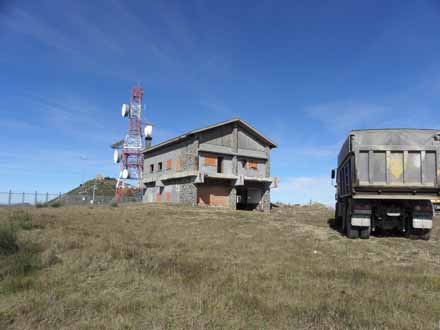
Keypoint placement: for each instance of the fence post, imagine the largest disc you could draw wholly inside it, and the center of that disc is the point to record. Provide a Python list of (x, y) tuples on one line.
[(36, 197), (9, 197), (94, 192), (47, 197), (22, 198)]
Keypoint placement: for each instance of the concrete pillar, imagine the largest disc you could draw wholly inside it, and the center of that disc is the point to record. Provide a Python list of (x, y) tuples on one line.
[(265, 200), (234, 147), (233, 199), (267, 149)]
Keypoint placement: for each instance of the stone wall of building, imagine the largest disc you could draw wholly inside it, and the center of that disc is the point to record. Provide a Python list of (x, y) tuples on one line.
[(233, 199), (188, 192), (265, 200)]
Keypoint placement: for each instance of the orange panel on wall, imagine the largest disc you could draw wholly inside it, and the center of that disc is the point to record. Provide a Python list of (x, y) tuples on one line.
[(178, 165), (210, 161), (213, 195)]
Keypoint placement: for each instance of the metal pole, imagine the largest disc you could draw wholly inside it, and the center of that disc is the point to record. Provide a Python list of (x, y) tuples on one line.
[(94, 192), (22, 198), (47, 197), (9, 197), (36, 197)]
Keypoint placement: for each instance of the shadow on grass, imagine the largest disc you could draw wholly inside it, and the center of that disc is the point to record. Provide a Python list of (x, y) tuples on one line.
[(332, 225)]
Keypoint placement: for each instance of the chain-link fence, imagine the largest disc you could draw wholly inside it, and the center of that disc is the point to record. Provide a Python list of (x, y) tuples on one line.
[(13, 198)]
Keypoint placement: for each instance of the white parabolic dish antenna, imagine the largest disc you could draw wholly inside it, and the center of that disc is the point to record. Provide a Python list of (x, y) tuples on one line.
[(148, 131), (116, 157), (125, 110), (125, 173)]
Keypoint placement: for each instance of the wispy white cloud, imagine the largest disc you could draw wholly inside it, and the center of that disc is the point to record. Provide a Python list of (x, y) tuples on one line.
[(157, 47), (346, 115), (215, 106), (72, 115), (302, 190)]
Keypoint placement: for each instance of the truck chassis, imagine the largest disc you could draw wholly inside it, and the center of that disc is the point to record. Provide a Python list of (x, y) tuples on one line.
[(360, 217)]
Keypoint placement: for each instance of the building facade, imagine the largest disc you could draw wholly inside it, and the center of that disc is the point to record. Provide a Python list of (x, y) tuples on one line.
[(223, 165)]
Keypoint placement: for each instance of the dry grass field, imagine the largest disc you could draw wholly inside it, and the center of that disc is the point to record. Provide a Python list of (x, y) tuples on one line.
[(169, 267)]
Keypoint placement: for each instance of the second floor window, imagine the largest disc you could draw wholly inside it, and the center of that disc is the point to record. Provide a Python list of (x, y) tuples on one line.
[(159, 167), (151, 168), (219, 164), (252, 165), (210, 161)]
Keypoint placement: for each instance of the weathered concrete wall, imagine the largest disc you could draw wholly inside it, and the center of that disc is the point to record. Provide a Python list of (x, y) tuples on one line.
[(188, 192), (242, 167), (227, 163), (247, 141), (267, 162), (221, 136), (231, 142), (233, 199), (185, 152), (173, 191)]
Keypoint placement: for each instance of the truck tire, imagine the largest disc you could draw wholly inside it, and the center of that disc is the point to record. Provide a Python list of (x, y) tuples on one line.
[(343, 220), (338, 218), (424, 234), (365, 232), (349, 230)]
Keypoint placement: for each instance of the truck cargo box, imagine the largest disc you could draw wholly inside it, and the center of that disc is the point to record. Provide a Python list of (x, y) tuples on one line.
[(390, 159)]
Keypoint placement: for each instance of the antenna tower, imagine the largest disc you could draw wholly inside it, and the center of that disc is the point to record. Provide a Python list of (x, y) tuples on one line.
[(129, 151)]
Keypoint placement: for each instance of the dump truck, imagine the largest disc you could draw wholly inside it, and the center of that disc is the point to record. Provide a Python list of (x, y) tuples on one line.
[(386, 180)]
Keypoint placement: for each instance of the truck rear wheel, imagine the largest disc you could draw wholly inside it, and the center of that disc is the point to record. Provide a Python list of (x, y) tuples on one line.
[(365, 232), (338, 218), (424, 234), (349, 230)]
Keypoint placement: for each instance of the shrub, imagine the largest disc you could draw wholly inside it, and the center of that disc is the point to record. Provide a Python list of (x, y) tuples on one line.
[(40, 205), (8, 239), (22, 220), (15, 284), (16, 270), (56, 204), (25, 261)]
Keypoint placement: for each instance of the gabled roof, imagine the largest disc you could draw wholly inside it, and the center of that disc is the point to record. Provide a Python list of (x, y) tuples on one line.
[(224, 123)]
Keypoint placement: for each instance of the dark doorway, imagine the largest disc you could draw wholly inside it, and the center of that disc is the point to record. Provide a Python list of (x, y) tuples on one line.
[(248, 198), (242, 199)]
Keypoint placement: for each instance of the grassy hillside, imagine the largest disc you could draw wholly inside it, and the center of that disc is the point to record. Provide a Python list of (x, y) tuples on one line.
[(163, 267), (104, 187)]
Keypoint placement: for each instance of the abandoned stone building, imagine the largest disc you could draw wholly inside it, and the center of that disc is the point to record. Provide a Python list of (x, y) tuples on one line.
[(224, 165)]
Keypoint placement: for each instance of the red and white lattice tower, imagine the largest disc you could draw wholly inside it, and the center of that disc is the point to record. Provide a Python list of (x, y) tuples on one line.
[(130, 151)]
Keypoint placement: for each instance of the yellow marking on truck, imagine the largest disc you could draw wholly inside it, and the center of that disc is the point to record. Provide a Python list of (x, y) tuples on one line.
[(396, 167)]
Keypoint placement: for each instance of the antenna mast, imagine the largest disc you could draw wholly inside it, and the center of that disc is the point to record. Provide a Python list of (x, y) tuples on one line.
[(129, 152)]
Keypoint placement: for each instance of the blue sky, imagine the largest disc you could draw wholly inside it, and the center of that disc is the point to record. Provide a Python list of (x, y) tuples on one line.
[(302, 72)]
